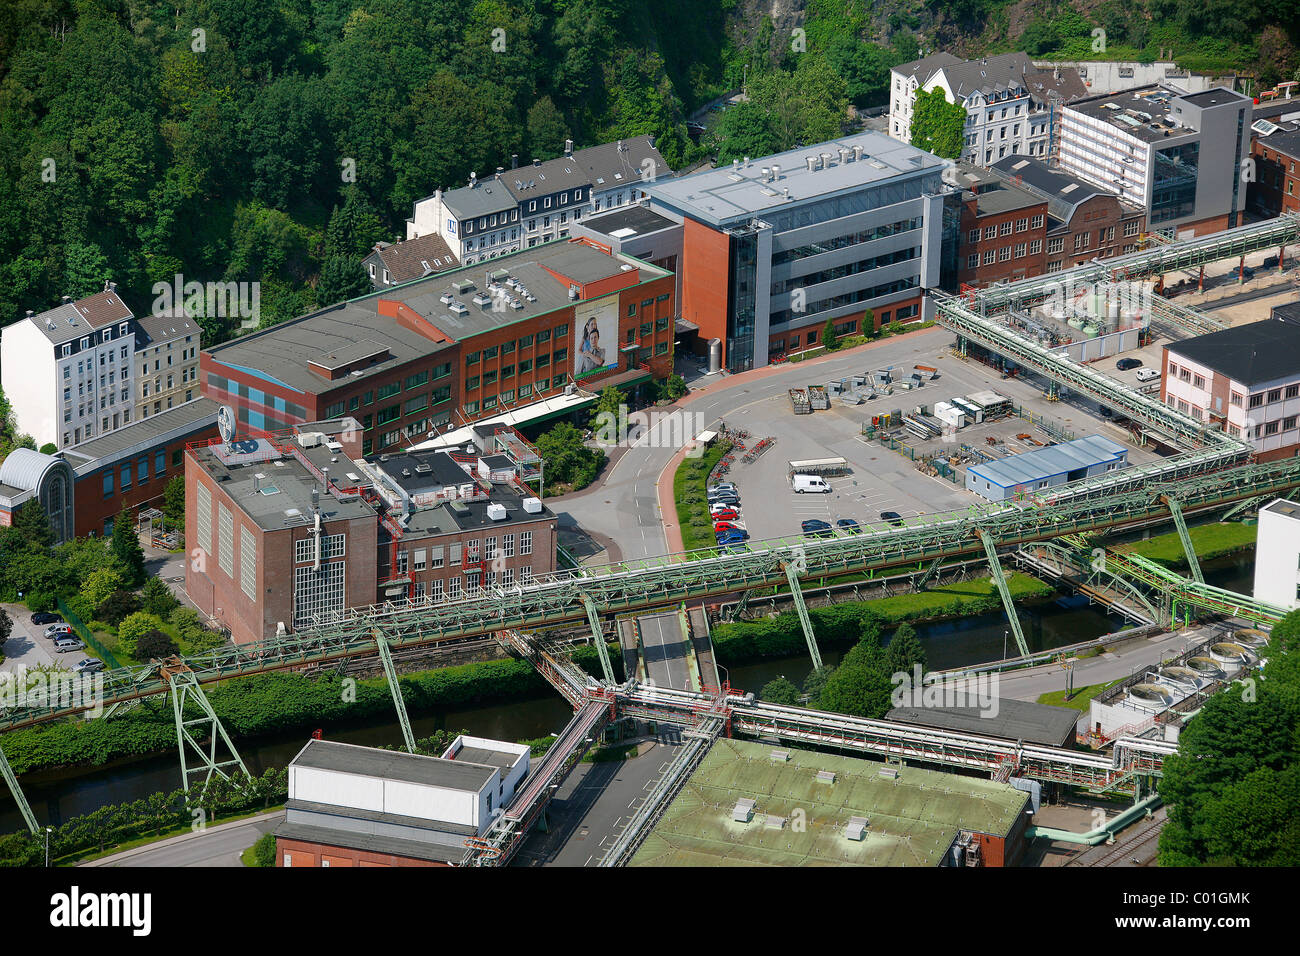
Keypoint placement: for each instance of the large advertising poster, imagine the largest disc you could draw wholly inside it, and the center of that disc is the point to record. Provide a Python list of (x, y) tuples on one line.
[(596, 341)]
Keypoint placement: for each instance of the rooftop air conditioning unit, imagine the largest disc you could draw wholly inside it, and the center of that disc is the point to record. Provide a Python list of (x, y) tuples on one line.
[(533, 506), (311, 439), (496, 512)]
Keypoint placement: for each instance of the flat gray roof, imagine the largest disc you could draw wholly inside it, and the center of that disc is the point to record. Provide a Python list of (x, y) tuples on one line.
[(730, 194), (176, 422), (1014, 719), (1043, 463), (394, 765), (628, 221), (333, 336)]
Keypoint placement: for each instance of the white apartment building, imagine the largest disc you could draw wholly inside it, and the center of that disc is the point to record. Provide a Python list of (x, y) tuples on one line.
[(523, 206), (67, 372), (1277, 554), (1012, 107), (1176, 155), (1245, 379)]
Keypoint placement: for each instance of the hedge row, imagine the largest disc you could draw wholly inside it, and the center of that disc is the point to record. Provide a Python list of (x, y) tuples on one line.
[(279, 703)]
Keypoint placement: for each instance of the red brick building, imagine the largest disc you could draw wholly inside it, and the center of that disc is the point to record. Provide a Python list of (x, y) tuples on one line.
[(1276, 188), (1003, 229), (286, 530), (461, 347)]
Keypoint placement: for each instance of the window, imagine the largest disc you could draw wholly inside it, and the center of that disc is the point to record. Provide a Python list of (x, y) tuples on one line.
[(1292, 391), (973, 236), (1006, 226), (490, 352), (1004, 254), (226, 540), (1198, 381), (1256, 400), (1055, 245), (1288, 423), (1274, 395), (1038, 222), (526, 542), (108, 485), (973, 261), (1022, 225), (1020, 250), (1236, 399), (472, 358), (247, 562), (990, 232)]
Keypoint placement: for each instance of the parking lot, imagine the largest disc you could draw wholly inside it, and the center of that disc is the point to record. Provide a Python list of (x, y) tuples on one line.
[(884, 480)]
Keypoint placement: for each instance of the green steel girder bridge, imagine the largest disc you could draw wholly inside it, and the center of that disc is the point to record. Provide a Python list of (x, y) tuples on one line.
[(1214, 471)]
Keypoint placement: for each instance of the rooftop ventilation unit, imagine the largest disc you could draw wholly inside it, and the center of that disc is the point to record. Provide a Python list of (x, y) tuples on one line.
[(463, 286), (825, 776), (779, 756), (459, 308), (311, 439), (423, 469), (856, 829), (811, 161), (776, 172), (533, 506), (743, 811), (773, 822), (573, 292), (496, 512)]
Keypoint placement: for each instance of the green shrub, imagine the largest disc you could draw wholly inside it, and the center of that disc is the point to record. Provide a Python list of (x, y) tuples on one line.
[(264, 850)]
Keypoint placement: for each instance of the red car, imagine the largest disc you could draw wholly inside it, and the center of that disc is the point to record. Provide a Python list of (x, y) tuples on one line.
[(726, 514), (727, 526)]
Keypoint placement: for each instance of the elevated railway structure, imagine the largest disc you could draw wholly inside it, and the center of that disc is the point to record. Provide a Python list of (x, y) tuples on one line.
[(1212, 470)]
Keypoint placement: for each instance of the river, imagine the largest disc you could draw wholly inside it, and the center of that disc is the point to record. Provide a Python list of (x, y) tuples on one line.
[(57, 795)]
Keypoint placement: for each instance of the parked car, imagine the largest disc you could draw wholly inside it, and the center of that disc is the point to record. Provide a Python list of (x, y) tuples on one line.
[(57, 630), (66, 644), (88, 665), (1105, 412), (893, 517), (724, 486), (1125, 364), (45, 617), (814, 483), (1270, 262), (725, 513), (727, 538), (727, 528), (849, 526), (1147, 374), (816, 528), (724, 499), (1248, 273)]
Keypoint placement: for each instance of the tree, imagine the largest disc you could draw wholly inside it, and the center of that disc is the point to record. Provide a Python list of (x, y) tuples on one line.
[(568, 461), (905, 651), (673, 387), (154, 644), (341, 279), (174, 501), (829, 341), (117, 607), (134, 627), (547, 130), (609, 414), (860, 685), (99, 584), (6, 625), (937, 125), (816, 681), (157, 598), (780, 691), (33, 524), (126, 548)]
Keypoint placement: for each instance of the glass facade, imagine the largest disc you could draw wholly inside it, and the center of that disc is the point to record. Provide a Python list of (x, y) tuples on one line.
[(742, 287), (1173, 191)]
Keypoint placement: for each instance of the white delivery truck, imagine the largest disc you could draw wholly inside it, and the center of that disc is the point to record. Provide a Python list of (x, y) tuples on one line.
[(814, 483)]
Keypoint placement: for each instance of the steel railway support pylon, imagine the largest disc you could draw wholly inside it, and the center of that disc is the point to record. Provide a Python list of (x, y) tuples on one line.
[(1180, 523), (184, 688), (598, 635), (797, 593), (24, 807), (1000, 580), (386, 656)]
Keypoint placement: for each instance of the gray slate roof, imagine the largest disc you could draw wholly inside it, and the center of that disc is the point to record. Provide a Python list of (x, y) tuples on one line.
[(613, 164)]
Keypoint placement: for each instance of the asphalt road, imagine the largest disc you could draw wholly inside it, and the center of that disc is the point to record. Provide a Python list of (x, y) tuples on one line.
[(219, 845), (664, 648)]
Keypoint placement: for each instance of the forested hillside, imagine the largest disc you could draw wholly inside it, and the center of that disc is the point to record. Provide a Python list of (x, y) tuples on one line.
[(276, 140)]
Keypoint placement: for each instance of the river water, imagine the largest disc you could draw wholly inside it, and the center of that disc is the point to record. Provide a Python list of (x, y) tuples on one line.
[(57, 795)]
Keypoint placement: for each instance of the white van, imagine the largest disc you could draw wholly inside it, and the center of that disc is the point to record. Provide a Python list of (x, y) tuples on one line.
[(1147, 374), (802, 483)]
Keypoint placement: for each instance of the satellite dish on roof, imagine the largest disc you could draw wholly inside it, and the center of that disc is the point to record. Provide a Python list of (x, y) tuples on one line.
[(226, 422)]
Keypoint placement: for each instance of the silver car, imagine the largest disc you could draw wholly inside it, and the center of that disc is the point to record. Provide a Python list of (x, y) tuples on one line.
[(65, 644)]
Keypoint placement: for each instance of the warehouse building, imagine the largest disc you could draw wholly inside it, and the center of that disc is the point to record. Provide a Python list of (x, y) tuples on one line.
[(419, 359), (360, 806), (750, 804), (291, 530), (773, 247), (1004, 478)]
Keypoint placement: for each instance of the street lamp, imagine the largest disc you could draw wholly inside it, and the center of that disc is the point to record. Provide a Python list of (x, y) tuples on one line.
[(48, 831), (1005, 632)]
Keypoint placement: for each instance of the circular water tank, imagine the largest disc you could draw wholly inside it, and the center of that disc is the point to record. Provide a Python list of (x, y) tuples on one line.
[(1250, 637), (1152, 693), (1205, 666), (1181, 676), (1228, 653)]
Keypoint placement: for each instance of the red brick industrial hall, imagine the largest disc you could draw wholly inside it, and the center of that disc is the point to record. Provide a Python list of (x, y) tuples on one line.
[(503, 339), (288, 531)]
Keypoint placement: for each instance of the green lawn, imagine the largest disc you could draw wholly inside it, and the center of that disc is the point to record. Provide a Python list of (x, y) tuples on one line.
[(689, 486), (1082, 695), (1209, 540)]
